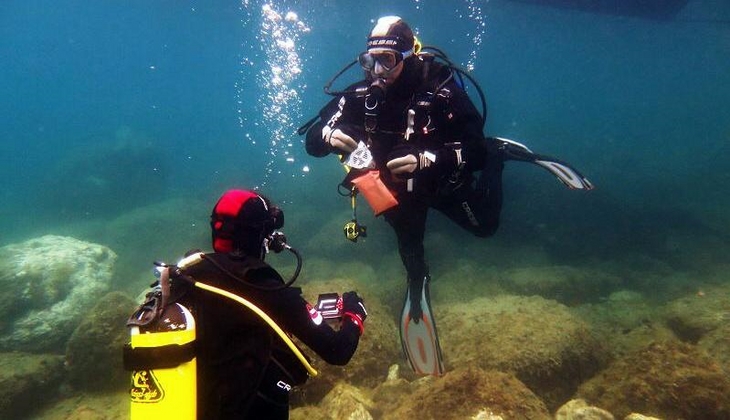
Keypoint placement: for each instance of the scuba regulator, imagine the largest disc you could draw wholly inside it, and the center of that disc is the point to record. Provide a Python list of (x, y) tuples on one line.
[(373, 100)]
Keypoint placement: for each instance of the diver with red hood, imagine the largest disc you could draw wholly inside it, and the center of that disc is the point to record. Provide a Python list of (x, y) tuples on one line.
[(244, 313)]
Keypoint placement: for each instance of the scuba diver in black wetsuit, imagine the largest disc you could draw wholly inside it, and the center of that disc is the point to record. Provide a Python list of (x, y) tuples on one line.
[(245, 367), (411, 123)]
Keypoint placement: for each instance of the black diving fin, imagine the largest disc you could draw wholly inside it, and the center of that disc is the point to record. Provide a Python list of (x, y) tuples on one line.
[(418, 330), (564, 172)]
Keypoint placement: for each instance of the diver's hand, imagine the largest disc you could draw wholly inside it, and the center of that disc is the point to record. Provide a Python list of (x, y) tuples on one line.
[(405, 160), (353, 309), (342, 139)]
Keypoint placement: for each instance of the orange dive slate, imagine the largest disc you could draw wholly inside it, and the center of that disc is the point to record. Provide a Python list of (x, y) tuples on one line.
[(378, 196)]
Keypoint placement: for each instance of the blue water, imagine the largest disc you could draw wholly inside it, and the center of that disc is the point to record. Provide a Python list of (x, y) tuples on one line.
[(107, 108), (638, 105)]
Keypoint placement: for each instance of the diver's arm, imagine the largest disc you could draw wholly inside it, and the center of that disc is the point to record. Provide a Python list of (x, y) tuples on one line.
[(339, 138), (334, 136), (314, 144), (334, 347), (340, 127)]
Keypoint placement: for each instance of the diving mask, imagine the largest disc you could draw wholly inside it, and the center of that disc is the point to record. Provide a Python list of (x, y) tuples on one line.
[(388, 59)]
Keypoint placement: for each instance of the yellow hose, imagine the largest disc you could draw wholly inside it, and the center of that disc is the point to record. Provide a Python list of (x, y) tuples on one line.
[(266, 318)]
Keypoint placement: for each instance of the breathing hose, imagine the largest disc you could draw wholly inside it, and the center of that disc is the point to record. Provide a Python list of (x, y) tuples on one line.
[(312, 372), (197, 257)]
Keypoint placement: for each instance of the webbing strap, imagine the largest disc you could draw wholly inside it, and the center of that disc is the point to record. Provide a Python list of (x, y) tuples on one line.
[(162, 357)]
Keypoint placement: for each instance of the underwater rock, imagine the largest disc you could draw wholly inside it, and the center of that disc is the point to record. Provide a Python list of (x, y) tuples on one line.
[(308, 412), (461, 279), (567, 285), (546, 347), (626, 322), (27, 379), (94, 351), (344, 401), (717, 344), (580, 410), (347, 402), (671, 380), (84, 412), (693, 316), (485, 415), (636, 416), (395, 389), (47, 285), (465, 393), (83, 406)]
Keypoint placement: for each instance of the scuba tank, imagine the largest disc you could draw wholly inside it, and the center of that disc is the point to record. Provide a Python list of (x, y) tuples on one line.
[(161, 351), (161, 356), (166, 385)]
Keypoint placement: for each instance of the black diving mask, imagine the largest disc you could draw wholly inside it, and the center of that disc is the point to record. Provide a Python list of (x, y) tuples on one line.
[(388, 59)]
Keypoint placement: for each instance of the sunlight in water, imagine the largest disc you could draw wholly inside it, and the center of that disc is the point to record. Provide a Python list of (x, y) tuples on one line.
[(477, 34), (274, 64), (280, 68)]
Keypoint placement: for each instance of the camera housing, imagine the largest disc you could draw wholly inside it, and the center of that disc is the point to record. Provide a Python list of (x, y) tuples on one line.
[(329, 305)]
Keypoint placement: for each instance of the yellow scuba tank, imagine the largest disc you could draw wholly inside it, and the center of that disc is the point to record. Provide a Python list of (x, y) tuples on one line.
[(164, 367), (161, 356)]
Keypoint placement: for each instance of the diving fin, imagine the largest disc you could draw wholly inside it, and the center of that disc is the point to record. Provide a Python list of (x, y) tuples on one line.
[(418, 330), (564, 172)]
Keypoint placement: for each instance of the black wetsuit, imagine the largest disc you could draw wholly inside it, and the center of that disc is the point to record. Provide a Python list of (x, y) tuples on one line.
[(439, 121), (245, 371)]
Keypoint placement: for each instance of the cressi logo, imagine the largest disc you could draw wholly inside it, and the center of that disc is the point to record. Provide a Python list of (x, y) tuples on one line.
[(382, 43), (283, 385)]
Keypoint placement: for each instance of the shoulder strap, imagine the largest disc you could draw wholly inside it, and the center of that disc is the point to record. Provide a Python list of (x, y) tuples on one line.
[(432, 73)]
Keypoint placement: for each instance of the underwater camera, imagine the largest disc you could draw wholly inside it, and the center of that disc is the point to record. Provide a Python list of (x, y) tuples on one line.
[(354, 230), (330, 305)]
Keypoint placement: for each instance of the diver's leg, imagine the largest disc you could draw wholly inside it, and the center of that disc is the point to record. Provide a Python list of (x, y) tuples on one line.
[(417, 326), (408, 220), (477, 208)]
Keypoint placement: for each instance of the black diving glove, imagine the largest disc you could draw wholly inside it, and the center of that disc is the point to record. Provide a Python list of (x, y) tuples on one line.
[(353, 309)]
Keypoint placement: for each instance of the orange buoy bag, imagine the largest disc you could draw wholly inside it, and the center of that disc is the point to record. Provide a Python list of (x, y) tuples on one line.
[(378, 196)]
